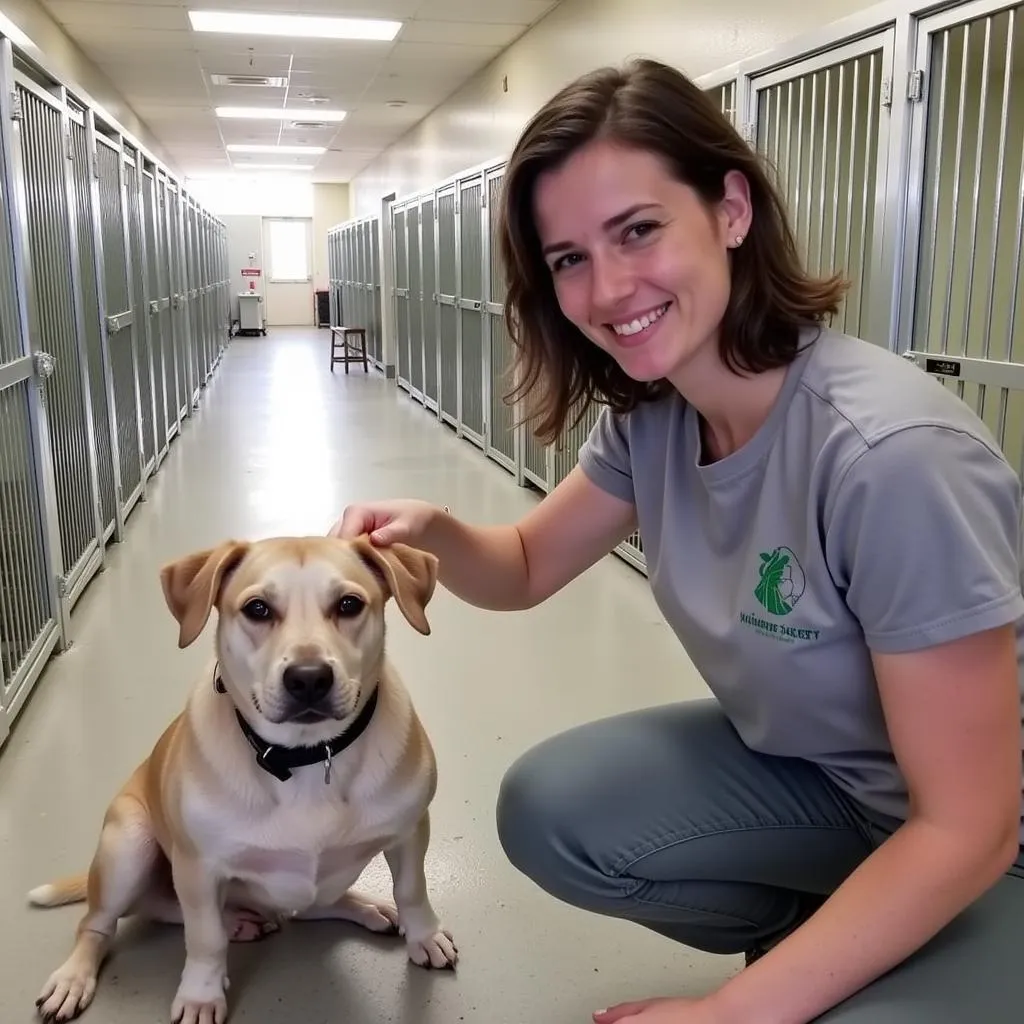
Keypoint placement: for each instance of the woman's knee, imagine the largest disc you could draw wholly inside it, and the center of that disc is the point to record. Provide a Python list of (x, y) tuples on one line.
[(529, 810), (545, 818)]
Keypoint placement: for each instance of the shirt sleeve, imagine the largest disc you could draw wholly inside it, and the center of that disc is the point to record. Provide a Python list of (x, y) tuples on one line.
[(604, 457), (924, 537)]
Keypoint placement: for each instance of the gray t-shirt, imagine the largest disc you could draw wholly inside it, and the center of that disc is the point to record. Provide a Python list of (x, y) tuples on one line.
[(872, 510)]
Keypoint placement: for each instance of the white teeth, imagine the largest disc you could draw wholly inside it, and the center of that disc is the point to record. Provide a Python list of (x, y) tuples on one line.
[(641, 323)]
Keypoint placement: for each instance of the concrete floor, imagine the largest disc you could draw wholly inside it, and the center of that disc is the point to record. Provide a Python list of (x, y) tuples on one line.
[(280, 445)]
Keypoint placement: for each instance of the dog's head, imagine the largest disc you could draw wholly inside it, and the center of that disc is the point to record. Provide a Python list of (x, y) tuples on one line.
[(300, 633)]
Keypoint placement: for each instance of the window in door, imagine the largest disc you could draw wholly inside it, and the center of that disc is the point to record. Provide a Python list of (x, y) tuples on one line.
[(289, 251)]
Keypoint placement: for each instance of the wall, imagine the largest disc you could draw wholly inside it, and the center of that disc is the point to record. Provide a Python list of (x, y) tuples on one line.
[(481, 121), (64, 60), (331, 205)]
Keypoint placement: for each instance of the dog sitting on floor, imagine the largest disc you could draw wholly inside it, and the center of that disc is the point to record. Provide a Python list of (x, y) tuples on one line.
[(296, 760)]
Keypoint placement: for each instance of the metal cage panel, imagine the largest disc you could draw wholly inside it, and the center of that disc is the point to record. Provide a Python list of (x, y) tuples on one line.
[(473, 407), (414, 299), (968, 302), (81, 166), (53, 327), (140, 313), (823, 126), (428, 286), (120, 327)]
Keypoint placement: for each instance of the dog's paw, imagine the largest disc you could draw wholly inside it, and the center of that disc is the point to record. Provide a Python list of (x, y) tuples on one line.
[(437, 951), (199, 1011), (67, 992), (200, 998), (248, 926), (378, 916)]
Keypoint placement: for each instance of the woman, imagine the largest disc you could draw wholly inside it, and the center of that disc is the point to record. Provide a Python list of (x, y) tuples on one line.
[(834, 539)]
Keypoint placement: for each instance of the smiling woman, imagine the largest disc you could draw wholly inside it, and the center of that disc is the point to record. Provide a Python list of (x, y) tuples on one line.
[(854, 789)]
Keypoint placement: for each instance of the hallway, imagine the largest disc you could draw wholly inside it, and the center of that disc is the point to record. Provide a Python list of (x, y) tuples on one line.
[(280, 445)]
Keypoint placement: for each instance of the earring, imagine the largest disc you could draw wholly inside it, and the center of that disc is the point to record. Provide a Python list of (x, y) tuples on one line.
[(739, 240)]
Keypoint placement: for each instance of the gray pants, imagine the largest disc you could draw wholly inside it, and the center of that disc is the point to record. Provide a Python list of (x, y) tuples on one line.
[(663, 817)]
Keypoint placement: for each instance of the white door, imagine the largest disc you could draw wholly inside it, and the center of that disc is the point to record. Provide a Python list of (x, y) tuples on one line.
[(287, 242)]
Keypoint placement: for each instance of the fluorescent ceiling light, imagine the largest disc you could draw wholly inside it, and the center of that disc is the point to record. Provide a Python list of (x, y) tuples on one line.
[(248, 23), (282, 114), (288, 150), (272, 167)]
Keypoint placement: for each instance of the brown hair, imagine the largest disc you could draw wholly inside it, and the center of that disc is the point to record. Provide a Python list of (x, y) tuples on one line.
[(653, 107)]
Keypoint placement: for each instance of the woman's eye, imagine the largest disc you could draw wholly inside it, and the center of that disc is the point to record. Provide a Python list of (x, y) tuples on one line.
[(350, 606), (564, 262), (257, 610), (641, 230)]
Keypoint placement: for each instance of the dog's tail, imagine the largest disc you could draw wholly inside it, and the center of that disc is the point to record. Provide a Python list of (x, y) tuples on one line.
[(56, 894)]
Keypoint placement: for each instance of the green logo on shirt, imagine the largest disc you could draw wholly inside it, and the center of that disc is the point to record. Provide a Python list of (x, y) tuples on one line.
[(782, 581)]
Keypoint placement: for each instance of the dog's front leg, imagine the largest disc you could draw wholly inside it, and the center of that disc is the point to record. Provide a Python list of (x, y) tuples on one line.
[(204, 981), (428, 943)]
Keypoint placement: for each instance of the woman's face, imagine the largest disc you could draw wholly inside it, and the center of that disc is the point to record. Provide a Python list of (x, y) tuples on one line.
[(638, 261)]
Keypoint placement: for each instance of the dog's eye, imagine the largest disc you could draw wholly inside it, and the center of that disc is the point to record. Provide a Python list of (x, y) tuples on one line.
[(257, 610), (350, 606)]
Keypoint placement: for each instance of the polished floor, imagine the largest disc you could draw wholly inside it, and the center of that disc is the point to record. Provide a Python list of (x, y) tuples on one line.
[(280, 445)]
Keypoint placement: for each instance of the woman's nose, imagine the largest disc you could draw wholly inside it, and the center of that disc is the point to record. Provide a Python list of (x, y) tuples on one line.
[(611, 281)]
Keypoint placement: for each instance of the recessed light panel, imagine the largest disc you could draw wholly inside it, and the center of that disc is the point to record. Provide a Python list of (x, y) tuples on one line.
[(280, 114), (295, 25), (245, 147)]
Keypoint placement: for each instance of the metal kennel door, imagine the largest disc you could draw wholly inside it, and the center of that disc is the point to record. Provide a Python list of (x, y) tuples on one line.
[(823, 124), (29, 623), (447, 287), (120, 325), (473, 407), (431, 361), (962, 307), (400, 245), (140, 310), (501, 433), (54, 319), (415, 300), (92, 321)]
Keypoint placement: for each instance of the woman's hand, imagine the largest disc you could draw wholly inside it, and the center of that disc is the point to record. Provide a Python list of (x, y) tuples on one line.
[(403, 520), (662, 1011)]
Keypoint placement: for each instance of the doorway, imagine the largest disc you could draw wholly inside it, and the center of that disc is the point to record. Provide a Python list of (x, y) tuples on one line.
[(287, 242)]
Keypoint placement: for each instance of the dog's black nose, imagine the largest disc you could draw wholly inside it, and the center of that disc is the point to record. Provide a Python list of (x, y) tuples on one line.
[(308, 683)]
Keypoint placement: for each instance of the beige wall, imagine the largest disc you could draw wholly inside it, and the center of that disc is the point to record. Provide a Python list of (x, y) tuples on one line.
[(482, 120), (66, 62), (331, 205)]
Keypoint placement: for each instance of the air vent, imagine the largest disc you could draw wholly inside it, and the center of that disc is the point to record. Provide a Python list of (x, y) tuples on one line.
[(310, 124), (251, 81)]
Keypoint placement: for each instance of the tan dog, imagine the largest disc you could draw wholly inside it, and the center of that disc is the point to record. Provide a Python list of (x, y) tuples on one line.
[(296, 761)]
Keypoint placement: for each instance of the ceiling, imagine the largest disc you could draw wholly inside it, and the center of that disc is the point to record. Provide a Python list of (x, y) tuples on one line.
[(166, 72)]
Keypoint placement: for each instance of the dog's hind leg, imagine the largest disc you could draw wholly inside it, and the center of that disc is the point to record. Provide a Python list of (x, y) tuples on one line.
[(121, 871), (375, 915), (241, 923)]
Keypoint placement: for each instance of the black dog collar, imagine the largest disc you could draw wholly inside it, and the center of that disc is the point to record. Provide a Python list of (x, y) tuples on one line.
[(279, 761)]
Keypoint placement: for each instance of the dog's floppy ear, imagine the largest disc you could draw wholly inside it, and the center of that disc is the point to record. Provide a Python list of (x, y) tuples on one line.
[(192, 585), (408, 573)]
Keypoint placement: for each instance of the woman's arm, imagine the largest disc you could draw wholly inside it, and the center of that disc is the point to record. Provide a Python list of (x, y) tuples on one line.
[(518, 566), (508, 567), (953, 712)]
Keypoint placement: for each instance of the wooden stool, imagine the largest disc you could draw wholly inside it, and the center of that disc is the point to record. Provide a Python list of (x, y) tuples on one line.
[(350, 352)]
